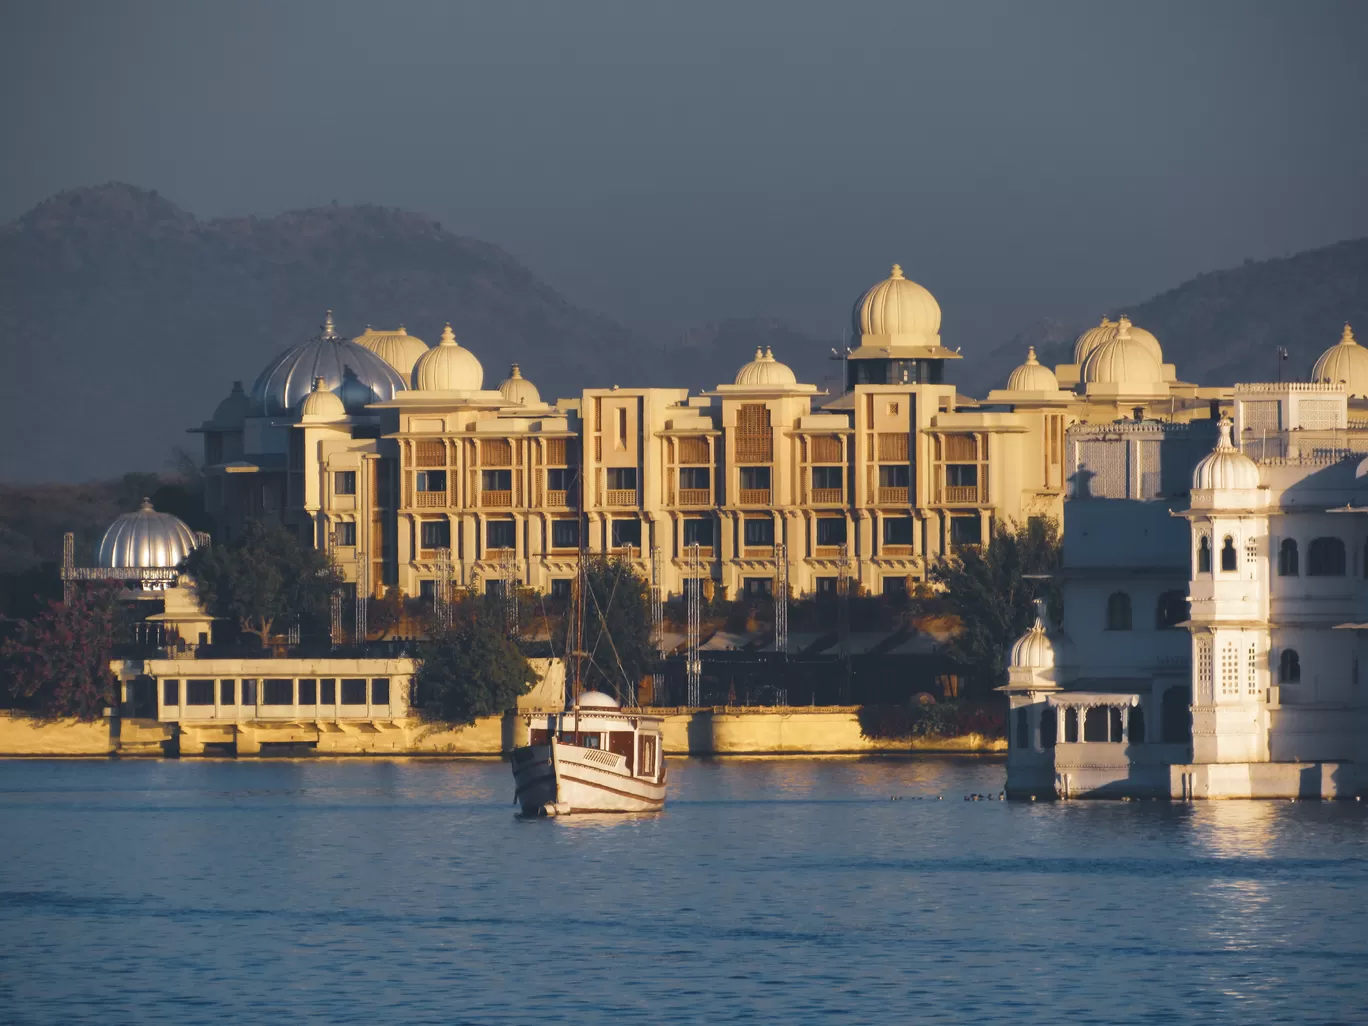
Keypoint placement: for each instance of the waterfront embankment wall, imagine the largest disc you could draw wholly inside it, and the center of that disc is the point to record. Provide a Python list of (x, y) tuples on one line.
[(709, 731)]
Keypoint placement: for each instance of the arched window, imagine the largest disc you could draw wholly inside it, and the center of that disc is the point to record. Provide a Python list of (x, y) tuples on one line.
[(1175, 718), (1325, 558), (1023, 728), (1135, 726), (1070, 726), (1228, 556), (1118, 611), (1289, 666), (1204, 555), (1172, 610), (1096, 721), (1287, 558), (1049, 726)]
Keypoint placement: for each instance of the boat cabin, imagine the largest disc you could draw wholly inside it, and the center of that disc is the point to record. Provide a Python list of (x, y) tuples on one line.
[(597, 722)]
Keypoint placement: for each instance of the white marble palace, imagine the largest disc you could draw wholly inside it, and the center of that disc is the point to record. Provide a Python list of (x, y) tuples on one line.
[(397, 457), (1215, 595)]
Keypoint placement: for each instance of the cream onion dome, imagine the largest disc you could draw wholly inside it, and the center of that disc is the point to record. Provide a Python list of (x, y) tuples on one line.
[(321, 404), (146, 539), (448, 367), (1345, 363), (898, 312), (359, 376), (397, 348), (1225, 467), (766, 372), (1121, 361), (1036, 649), (597, 700), (517, 389), (234, 409), (1032, 376), (1092, 338)]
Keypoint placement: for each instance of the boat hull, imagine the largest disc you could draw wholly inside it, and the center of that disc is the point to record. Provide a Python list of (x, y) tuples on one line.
[(556, 779)]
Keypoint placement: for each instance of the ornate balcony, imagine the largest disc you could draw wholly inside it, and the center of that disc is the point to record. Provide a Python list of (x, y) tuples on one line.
[(893, 496), (558, 499), (429, 500), (827, 497), (961, 493), (620, 497), (496, 500), (695, 496), (754, 496)]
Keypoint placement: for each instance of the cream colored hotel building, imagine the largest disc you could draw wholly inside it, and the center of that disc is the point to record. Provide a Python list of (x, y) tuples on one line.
[(394, 453)]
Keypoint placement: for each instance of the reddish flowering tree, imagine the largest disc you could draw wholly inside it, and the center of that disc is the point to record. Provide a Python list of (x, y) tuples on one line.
[(58, 663)]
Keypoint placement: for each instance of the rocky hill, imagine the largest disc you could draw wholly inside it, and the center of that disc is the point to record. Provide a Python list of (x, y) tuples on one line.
[(1226, 326)]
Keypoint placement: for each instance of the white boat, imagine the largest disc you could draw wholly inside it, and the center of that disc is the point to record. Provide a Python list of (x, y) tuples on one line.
[(593, 757)]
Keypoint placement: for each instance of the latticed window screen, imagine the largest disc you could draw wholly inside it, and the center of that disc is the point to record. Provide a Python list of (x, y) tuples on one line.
[(826, 449), (1230, 670), (694, 451), (960, 449), (1251, 550), (429, 454), (1204, 669), (754, 437), (496, 452), (1252, 683), (893, 447), (1263, 414), (1317, 414), (556, 452)]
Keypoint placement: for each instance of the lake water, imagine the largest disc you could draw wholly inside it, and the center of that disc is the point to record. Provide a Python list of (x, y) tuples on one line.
[(784, 891)]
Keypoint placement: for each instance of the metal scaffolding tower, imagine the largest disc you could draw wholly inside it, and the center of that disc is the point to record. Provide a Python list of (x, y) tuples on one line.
[(443, 589), (693, 664), (843, 620), (508, 576), (360, 630), (657, 622), (335, 599), (781, 599)]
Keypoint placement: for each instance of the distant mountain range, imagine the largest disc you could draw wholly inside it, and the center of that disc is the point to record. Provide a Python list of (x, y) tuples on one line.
[(124, 319)]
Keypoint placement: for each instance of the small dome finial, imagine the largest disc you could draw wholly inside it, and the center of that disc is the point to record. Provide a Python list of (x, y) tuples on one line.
[(318, 384), (1224, 425), (1040, 613), (1031, 356), (759, 354), (769, 353), (328, 329), (897, 271), (146, 505), (1347, 339), (448, 336), (515, 371)]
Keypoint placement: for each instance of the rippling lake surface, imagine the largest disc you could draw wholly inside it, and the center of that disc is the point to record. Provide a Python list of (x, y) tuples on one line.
[(786, 891)]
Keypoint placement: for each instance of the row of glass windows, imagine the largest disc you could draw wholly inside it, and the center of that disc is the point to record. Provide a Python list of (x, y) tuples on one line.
[(1325, 557), (279, 691)]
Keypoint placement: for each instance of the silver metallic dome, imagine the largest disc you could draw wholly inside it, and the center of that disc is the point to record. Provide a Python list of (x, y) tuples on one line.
[(145, 539), (358, 376)]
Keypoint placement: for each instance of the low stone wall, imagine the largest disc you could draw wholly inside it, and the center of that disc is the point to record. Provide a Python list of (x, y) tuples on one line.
[(830, 730), (25, 735)]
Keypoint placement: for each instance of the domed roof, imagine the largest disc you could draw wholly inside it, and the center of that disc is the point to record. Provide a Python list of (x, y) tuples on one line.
[(233, 410), (897, 312), (517, 389), (1121, 360), (1225, 466), (448, 367), (1032, 376), (1036, 649), (145, 539), (766, 372), (1092, 338), (321, 405), (397, 348), (1345, 363), (1108, 330), (359, 376), (597, 700)]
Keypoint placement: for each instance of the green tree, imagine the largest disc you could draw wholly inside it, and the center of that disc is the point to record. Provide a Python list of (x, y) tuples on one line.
[(986, 587), (58, 662), (474, 669), (617, 627), (263, 578)]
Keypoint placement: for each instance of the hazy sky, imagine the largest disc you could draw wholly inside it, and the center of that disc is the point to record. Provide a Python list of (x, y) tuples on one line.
[(672, 163)]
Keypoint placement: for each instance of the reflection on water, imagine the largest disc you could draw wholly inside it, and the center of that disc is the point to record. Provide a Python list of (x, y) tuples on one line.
[(776, 890)]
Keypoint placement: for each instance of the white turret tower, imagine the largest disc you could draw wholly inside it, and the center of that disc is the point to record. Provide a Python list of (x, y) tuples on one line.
[(1229, 589)]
